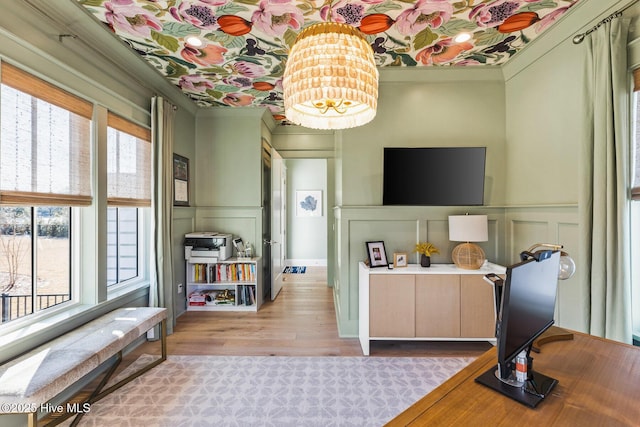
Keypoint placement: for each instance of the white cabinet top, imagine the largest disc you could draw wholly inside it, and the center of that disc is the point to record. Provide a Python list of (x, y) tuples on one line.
[(487, 268)]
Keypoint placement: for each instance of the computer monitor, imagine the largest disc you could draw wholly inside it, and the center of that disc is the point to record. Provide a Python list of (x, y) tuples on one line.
[(527, 307)]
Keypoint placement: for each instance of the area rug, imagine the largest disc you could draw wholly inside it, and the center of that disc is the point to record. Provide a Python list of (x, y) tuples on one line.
[(272, 391), (294, 270)]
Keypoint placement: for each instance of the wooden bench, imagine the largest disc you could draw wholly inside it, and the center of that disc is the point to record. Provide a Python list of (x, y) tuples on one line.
[(31, 382)]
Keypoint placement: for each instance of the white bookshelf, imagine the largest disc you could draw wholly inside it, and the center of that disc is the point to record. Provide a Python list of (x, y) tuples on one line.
[(234, 284)]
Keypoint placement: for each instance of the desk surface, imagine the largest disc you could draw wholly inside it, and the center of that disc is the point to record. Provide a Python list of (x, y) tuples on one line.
[(599, 385)]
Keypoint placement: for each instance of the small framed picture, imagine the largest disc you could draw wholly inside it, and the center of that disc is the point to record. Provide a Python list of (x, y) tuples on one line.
[(308, 202), (377, 254), (239, 245), (180, 180), (399, 259)]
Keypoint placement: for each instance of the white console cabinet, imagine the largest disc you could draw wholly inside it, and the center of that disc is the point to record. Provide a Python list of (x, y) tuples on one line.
[(441, 302)]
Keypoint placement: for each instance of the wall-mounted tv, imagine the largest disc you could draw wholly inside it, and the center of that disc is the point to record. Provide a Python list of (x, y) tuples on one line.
[(433, 176)]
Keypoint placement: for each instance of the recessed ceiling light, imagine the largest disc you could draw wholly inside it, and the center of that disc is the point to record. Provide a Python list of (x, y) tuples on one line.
[(462, 37), (194, 41)]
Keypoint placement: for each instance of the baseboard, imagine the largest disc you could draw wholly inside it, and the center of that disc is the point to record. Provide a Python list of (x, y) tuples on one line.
[(306, 262)]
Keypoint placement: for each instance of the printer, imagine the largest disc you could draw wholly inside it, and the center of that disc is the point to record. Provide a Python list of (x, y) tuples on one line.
[(207, 247)]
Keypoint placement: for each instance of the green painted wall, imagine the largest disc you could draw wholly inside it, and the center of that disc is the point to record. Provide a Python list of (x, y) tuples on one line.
[(430, 112), (544, 121), (433, 110), (543, 126), (228, 162), (543, 113), (295, 142), (183, 217)]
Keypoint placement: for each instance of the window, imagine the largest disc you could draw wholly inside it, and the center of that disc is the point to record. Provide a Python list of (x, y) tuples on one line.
[(45, 162), (128, 191), (122, 244), (35, 260), (45, 143)]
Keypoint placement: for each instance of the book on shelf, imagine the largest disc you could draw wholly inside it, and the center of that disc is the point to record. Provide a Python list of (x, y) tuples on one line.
[(199, 273), (237, 272), (252, 296), (246, 295)]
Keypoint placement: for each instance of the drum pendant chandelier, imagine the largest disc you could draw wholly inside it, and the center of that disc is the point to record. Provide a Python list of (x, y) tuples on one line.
[(330, 80)]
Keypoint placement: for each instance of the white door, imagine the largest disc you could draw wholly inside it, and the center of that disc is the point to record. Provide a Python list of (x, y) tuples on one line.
[(278, 221)]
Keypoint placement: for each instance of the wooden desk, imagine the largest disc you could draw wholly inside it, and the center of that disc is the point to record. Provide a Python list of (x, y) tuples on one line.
[(599, 385)]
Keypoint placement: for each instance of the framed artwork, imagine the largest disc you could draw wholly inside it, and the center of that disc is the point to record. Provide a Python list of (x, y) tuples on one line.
[(308, 202), (399, 259), (377, 254), (180, 180)]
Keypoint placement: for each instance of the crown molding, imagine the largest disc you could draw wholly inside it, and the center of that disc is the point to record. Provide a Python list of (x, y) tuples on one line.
[(431, 74), (89, 48), (578, 18)]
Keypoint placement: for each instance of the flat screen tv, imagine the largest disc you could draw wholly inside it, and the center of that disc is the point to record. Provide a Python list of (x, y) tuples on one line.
[(528, 299), (433, 176)]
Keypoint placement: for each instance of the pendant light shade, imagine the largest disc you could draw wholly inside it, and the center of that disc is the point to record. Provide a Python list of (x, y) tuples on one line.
[(330, 80)]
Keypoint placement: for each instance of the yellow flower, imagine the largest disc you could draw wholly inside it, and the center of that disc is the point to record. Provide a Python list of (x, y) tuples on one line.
[(426, 248)]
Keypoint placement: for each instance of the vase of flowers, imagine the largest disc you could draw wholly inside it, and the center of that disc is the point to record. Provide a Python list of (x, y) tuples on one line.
[(425, 250)]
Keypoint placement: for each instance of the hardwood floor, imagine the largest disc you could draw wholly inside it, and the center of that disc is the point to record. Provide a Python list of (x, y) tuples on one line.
[(300, 322)]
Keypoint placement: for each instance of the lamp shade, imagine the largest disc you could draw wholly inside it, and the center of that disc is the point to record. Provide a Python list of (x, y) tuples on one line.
[(468, 228), (330, 79)]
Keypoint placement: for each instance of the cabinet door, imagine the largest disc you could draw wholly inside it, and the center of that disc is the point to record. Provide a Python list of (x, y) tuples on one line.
[(438, 305), (391, 305), (478, 315)]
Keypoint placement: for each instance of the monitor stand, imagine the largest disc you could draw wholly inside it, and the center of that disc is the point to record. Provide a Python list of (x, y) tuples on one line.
[(529, 393)]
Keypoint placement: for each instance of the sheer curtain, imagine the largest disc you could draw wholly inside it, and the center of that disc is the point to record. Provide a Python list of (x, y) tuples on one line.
[(161, 292), (604, 203)]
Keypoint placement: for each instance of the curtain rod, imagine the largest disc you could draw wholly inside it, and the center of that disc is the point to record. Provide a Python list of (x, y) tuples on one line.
[(578, 38)]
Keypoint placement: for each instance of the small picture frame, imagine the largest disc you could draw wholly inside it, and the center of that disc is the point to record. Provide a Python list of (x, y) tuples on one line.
[(180, 180), (376, 254), (309, 203), (239, 245), (399, 259)]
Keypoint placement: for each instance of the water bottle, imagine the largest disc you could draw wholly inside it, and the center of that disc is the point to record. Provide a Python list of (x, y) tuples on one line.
[(521, 366)]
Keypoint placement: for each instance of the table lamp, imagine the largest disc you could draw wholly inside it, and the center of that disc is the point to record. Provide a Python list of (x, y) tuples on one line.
[(467, 229), (567, 265)]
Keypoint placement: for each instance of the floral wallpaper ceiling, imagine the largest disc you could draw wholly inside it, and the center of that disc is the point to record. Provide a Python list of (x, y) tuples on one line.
[(244, 43)]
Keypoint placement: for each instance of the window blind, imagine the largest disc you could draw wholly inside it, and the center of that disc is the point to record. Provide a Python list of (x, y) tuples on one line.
[(128, 163), (45, 150), (635, 182)]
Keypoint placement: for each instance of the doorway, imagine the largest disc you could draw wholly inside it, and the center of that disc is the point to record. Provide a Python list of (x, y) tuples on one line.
[(307, 217)]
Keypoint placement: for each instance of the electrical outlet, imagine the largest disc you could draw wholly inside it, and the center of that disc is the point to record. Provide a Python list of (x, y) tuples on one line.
[(179, 288)]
